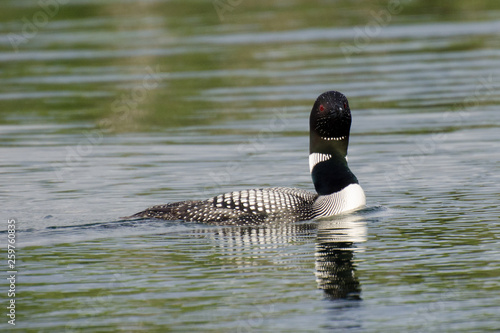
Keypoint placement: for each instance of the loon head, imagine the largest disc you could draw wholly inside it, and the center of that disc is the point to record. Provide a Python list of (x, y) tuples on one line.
[(330, 123)]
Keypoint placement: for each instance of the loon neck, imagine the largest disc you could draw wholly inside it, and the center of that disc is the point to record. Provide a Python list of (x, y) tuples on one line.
[(332, 145), (328, 165)]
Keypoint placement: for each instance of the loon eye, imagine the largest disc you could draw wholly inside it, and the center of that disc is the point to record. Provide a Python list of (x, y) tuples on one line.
[(321, 108), (345, 105)]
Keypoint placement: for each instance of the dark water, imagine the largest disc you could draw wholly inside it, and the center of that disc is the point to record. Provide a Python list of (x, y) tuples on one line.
[(109, 107)]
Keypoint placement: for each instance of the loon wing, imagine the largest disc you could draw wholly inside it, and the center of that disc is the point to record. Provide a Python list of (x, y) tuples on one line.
[(240, 207)]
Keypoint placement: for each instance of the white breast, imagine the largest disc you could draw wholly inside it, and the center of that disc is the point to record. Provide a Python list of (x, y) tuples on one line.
[(350, 198)]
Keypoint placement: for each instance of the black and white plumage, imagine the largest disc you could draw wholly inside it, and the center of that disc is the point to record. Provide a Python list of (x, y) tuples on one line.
[(337, 188)]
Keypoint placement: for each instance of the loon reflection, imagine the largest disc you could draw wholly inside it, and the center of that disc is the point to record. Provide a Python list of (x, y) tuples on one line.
[(335, 246), (336, 243)]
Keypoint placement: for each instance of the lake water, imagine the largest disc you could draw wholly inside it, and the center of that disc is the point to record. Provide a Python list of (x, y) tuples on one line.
[(108, 107)]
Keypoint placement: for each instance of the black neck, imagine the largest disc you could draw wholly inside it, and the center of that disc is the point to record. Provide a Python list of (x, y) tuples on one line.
[(319, 145), (332, 175)]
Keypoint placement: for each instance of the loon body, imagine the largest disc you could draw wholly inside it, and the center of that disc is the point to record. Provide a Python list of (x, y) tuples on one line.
[(337, 188)]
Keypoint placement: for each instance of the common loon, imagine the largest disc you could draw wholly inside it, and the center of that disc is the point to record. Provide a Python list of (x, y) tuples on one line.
[(337, 188)]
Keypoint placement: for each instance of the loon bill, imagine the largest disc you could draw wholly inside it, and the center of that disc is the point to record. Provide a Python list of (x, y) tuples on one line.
[(337, 188)]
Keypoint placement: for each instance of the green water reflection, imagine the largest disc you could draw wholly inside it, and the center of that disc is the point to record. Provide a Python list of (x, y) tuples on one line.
[(88, 62)]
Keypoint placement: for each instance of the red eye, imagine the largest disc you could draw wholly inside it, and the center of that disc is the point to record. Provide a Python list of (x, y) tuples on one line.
[(345, 105), (321, 108)]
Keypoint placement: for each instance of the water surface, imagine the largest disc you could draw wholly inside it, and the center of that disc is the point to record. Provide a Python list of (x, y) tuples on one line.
[(111, 107)]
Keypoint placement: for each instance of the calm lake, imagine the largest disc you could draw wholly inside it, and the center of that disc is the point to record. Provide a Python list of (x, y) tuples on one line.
[(108, 107)]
